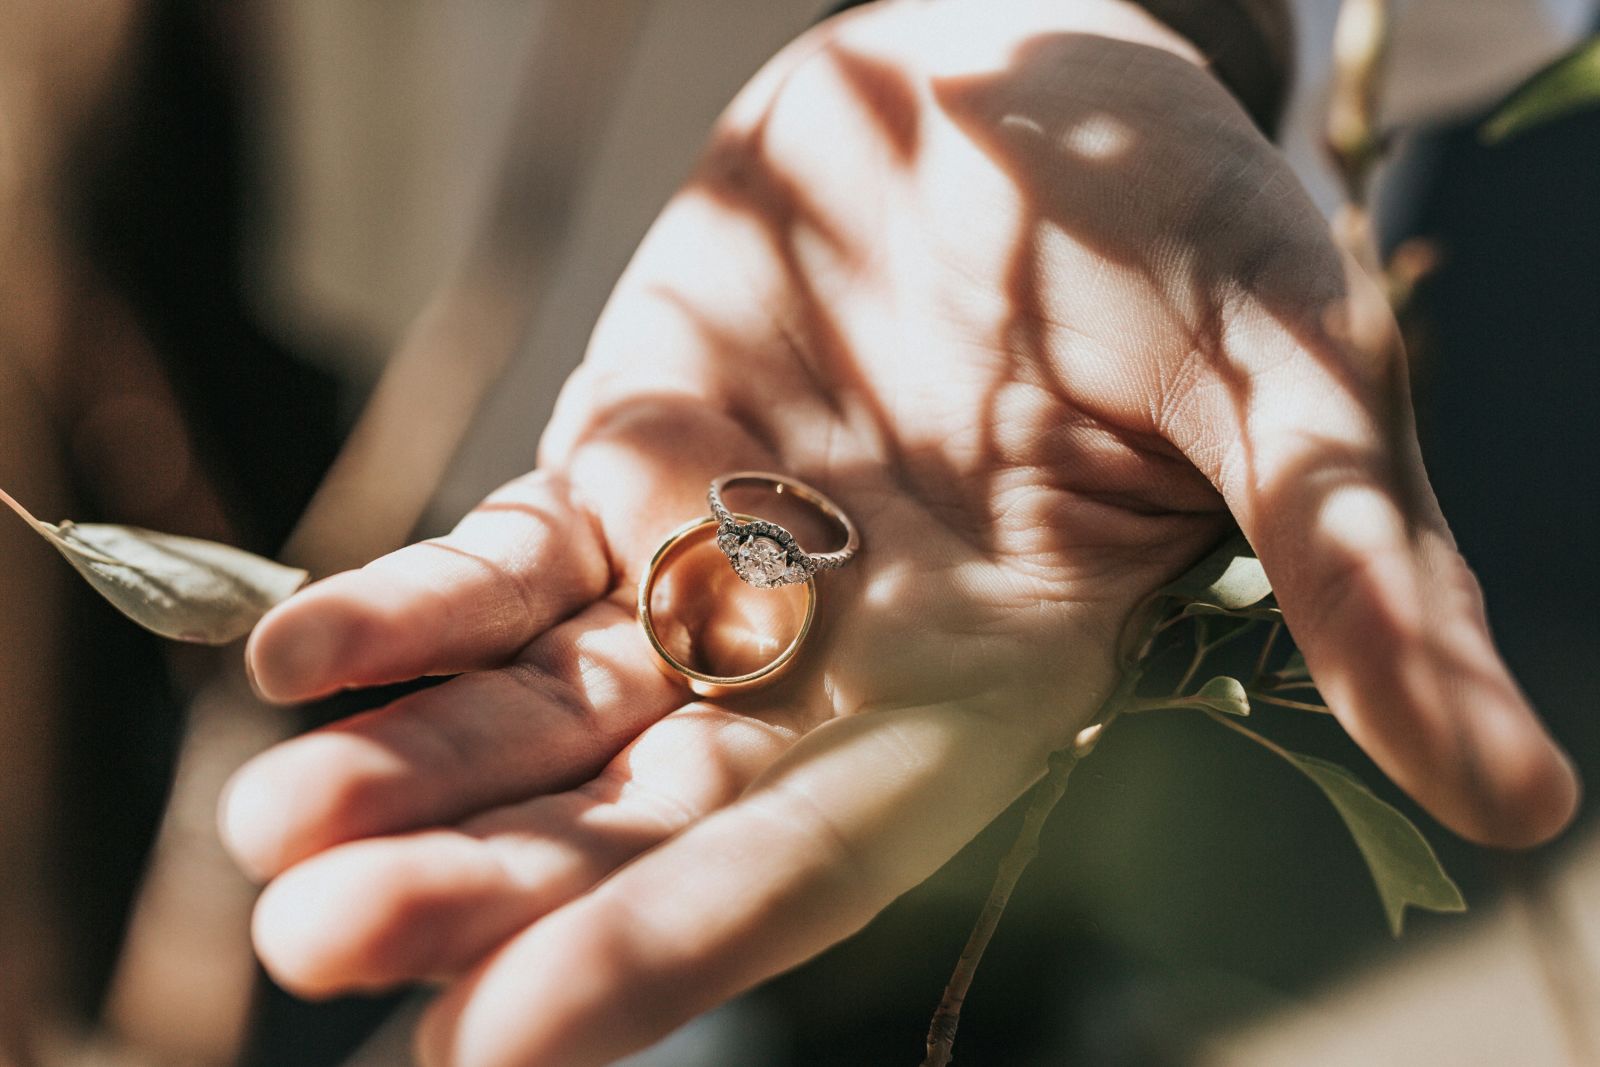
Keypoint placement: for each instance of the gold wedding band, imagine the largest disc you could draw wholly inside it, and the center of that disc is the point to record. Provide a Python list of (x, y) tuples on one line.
[(701, 683)]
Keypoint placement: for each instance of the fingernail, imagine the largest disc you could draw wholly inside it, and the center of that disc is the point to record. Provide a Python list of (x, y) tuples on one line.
[(250, 676)]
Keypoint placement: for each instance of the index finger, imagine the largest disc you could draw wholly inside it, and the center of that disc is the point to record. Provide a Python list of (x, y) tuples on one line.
[(523, 560)]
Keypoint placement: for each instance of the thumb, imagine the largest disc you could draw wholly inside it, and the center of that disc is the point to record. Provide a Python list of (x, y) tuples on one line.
[(1311, 440)]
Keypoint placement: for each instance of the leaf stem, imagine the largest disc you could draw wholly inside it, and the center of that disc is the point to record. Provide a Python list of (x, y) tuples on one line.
[(1270, 745), (27, 516), (942, 1030), (1238, 631), (56, 535), (1266, 650), (1290, 686), (1171, 703), (1170, 623), (1176, 702), (1202, 649), (1297, 705), (1199, 657)]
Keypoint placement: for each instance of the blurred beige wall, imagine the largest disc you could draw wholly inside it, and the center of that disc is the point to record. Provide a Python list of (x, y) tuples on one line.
[(383, 122), (691, 58), (383, 125)]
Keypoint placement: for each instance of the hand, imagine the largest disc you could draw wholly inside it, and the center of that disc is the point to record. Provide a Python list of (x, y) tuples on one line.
[(1019, 286)]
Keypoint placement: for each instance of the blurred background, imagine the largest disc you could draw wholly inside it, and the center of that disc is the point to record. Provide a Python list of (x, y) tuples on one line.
[(240, 240)]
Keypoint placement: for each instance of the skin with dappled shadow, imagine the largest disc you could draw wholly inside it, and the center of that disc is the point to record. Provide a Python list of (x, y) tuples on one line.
[(1021, 288)]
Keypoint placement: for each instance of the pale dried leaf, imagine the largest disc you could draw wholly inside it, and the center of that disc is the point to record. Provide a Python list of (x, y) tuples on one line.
[(179, 587)]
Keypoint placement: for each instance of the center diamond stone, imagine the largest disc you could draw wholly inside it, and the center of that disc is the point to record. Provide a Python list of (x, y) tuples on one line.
[(761, 561)]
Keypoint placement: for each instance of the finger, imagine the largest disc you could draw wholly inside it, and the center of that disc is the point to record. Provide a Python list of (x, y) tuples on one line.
[(376, 913), (524, 559), (1315, 450), (548, 721), (856, 813)]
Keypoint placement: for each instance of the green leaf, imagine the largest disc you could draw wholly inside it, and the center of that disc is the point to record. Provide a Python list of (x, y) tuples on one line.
[(1569, 84), (178, 587), (1402, 862), (1223, 694), (1229, 579)]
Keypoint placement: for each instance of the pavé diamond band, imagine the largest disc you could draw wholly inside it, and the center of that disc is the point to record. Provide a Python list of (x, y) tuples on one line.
[(764, 553)]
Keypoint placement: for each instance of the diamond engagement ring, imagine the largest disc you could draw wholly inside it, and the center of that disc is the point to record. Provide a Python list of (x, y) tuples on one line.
[(764, 553)]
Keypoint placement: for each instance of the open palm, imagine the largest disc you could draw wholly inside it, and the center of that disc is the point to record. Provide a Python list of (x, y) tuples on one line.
[(1022, 289)]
